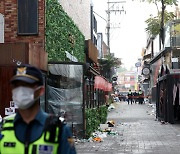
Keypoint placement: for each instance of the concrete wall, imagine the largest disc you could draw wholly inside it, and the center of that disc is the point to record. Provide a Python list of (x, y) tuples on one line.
[(79, 11)]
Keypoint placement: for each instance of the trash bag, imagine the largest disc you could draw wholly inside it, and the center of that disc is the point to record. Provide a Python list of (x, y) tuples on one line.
[(110, 123)]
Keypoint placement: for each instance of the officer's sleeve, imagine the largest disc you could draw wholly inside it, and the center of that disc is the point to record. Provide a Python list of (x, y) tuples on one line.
[(66, 142)]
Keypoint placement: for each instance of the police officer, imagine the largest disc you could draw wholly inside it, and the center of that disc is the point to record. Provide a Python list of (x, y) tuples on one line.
[(135, 95), (130, 94), (31, 130)]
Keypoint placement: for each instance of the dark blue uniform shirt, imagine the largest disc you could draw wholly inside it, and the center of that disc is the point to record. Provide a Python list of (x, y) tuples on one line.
[(34, 130)]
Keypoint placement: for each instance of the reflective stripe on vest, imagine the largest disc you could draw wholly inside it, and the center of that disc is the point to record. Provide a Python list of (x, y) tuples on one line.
[(9, 144)]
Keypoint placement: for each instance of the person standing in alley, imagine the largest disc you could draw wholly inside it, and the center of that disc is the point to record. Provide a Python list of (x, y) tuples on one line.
[(135, 96), (31, 130), (141, 96), (129, 95)]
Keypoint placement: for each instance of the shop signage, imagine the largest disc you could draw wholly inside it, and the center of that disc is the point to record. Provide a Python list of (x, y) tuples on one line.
[(138, 64), (146, 71)]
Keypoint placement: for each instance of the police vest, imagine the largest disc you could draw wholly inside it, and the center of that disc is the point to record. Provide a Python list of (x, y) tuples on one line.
[(47, 144), (140, 92)]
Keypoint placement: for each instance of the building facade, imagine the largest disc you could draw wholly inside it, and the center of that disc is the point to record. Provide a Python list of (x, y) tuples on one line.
[(79, 11), (126, 81), (16, 29), (22, 40)]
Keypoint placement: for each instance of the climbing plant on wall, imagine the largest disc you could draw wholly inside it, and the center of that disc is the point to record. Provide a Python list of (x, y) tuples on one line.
[(62, 34)]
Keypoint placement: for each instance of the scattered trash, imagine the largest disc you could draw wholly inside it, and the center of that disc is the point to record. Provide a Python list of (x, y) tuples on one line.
[(153, 112), (103, 131), (112, 133), (107, 130), (97, 139), (103, 127), (111, 107), (81, 140), (90, 139), (111, 123), (152, 105), (163, 122), (96, 136)]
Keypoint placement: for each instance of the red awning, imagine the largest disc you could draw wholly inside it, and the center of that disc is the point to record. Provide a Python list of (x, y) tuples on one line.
[(108, 87), (101, 83)]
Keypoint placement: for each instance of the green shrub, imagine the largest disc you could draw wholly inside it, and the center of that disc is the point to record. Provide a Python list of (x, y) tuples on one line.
[(94, 117)]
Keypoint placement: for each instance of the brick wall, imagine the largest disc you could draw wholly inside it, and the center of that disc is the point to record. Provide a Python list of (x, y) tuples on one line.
[(2, 6), (9, 9), (79, 11)]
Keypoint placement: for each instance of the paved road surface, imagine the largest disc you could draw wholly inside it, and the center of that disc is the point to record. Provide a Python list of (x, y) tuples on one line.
[(138, 133)]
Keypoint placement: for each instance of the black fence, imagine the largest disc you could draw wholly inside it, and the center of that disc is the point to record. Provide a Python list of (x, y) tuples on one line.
[(94, 97)]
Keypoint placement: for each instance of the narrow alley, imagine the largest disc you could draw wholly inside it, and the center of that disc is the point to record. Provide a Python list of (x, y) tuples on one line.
[(138, 132)]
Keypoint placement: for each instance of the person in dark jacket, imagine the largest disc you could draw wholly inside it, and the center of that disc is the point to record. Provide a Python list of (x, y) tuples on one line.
[(141, 96), (129, 95), (135, 97), (31, 130)]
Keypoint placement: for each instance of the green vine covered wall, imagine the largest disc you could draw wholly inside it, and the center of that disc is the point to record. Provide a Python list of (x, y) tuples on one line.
[(62, 34)]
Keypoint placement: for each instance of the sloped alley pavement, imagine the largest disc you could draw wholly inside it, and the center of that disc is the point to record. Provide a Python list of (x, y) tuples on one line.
[(138, 132)]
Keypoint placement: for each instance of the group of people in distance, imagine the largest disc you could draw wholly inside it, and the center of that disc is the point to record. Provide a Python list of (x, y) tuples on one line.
[(134, 97)]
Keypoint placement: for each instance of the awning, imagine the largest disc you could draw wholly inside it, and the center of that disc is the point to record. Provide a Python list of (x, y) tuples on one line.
[(101, 83), (108, 87)]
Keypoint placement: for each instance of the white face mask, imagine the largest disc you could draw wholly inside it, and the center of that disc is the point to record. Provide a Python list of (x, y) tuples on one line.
[(23, 97)]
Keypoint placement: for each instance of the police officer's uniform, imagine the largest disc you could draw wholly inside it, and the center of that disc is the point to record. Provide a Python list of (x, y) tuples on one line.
[(44, 135), (130, 96)]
